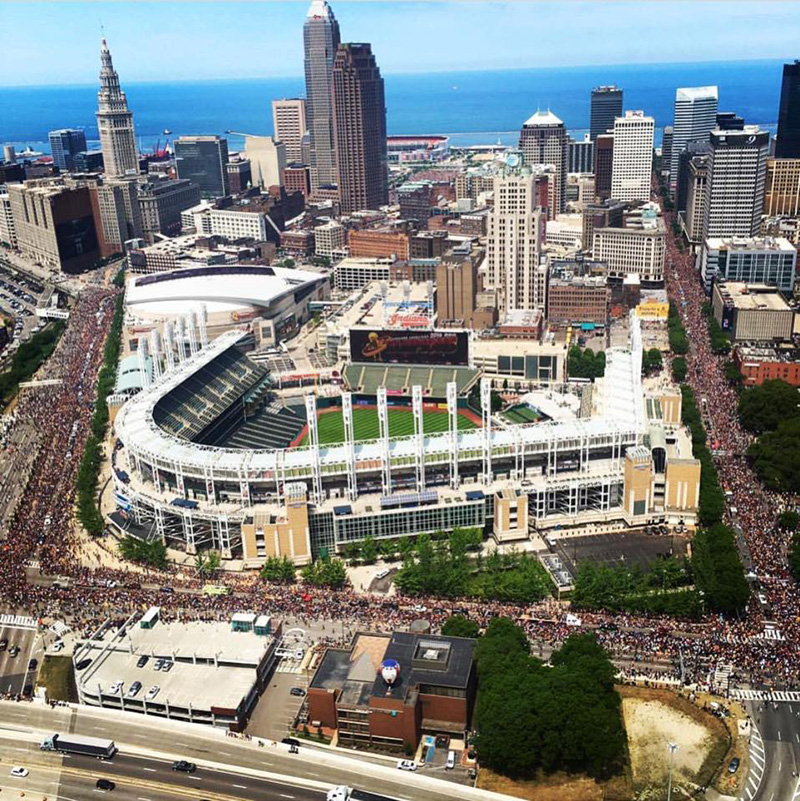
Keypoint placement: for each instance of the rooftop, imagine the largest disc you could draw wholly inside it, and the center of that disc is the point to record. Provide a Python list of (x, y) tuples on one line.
[(697, 93), (752, 297), (543, 118), (750, 243)]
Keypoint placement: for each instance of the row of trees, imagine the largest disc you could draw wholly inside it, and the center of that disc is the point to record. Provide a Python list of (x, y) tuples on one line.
[(772, 411), (88, 472), (720, 342), (30, 356), (678, 341), (718, 570), (325, 572), (445, 568), (530, 717), (152, 553), (585, 363), (664, 588), (790, 521)]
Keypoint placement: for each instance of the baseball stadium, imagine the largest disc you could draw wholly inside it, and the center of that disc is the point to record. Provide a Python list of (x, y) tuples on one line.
[(208, 455)]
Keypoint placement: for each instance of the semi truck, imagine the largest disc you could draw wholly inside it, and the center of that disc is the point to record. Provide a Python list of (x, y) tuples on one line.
[(76, 744), (345, 793)]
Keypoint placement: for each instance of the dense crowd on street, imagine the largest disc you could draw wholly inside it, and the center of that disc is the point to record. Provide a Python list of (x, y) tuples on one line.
[(42, 531)]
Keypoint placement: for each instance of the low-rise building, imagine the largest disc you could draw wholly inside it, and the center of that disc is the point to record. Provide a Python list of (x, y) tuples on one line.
[(752, 312), (161, 201), (216, 673), (353, 273), (387, 690), (403, 149), (331, 240), (298, 241), (760, 363), (297, 178), (378, 244), (638, 247), (749, 260)]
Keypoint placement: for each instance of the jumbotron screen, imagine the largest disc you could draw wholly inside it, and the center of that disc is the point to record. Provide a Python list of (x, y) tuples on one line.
[(409, 347)]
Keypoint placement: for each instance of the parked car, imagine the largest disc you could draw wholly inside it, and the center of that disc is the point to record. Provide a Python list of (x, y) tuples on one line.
[(291, 741), (115, 688), (158, 664), (382, 574), (134, 689), (105, 784), (13, 650), (406, 764), (142, 661), (33, 664), (58, 645), (451, 760), (297, 691), (83, 664), (734, 765), (167, 665), (184, 767), (3, 644), (152, 692)]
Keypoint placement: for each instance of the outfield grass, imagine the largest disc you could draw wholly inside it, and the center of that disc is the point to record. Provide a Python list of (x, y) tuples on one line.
[(365, 422)]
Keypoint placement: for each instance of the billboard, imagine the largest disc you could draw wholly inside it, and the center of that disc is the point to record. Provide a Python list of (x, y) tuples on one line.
[(409, 347)]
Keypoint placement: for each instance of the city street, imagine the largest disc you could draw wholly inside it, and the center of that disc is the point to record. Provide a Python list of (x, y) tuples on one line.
[(142, 740)]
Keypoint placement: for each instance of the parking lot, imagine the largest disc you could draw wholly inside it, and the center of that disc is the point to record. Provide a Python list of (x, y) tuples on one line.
[(634, 548), (19, 297), (277, 708), (14, 673)]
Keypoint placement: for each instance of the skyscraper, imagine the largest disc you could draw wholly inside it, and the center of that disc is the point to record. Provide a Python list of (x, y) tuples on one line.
[(734, 194), (320, 39), (64, 145), (515, 235), (603, 165), (633, 156), (543, 140), (695, 115), (606, 107), (204, 161), (787, 145), (359, 116), (115, 122), (289, 124)]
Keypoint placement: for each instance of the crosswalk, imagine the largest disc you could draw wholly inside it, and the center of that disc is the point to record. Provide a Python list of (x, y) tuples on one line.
[(722, 676), (288, 666), (771, 633), (775, 696), (757, 764), (18, 621)]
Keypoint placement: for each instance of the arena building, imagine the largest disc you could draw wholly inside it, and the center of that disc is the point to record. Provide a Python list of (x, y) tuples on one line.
[(204, 459), (273, 301)]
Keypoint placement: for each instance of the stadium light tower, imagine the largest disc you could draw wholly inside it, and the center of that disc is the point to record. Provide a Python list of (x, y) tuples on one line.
[(452, 412), (419, 435), (383, 428), (349, 444), (313, 441), (486, 423)]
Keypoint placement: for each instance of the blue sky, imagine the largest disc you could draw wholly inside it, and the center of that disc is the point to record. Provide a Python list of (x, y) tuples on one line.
[(56, 43)]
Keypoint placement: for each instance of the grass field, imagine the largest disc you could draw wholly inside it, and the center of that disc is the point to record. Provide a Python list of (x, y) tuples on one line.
[(57, 675), (365, 421)]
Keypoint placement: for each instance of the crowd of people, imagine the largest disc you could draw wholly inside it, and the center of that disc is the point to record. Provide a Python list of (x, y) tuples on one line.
[(43, 530)]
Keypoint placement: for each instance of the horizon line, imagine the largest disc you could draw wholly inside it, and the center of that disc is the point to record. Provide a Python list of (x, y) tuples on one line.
[(417, 72)]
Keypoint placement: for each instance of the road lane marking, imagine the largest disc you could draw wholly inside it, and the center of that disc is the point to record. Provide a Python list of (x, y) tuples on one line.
[(283, 795), (240, 786), (150, 770)]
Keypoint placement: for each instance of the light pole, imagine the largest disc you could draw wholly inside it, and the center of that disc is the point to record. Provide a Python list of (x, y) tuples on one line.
[(672, 747)]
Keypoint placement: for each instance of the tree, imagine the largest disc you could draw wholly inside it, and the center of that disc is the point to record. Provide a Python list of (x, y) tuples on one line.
[(369, 550), (718, 570), (678, 342), (732, 375), (529, 717), (679, 369), (352, 553), (278, 570), (764, 407), (460, 626), (776, 456), (652, 361), (585, 363), (325, 572), (789, 520), (152, 553)]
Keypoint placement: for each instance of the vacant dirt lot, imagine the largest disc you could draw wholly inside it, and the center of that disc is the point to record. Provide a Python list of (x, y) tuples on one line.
[(558, 787), (654, 718)]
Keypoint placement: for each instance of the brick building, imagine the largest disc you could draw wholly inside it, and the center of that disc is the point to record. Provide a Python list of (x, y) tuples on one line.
[(433, 691), (759, 364), (379, 244)]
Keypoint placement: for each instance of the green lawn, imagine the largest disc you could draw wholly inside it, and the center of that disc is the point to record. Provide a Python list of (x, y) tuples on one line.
[(56, 673), (365, 420)]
